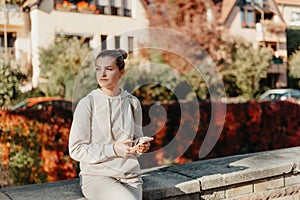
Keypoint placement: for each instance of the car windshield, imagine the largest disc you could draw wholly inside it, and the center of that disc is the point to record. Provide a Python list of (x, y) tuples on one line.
[(20, 105)]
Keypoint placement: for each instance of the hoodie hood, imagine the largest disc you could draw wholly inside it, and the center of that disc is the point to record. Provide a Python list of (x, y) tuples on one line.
[(116, 109), (123, 94)]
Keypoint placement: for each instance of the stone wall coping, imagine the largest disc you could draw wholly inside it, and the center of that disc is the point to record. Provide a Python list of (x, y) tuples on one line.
[(176, 180)]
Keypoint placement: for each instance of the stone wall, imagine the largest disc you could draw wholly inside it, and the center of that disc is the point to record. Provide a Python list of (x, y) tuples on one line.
[(265, 175)]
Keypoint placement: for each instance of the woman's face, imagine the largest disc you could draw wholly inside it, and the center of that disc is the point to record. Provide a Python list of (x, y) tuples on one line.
[(107, 72)]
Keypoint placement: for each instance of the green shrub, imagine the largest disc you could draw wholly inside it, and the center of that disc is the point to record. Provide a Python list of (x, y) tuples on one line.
[(60, 63), (11, 79)]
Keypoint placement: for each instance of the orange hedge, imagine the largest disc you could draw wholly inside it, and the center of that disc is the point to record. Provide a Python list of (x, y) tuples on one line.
[(35, 145), (249, 127)]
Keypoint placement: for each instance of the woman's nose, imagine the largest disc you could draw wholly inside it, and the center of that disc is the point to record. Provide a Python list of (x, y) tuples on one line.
[(103, 73)]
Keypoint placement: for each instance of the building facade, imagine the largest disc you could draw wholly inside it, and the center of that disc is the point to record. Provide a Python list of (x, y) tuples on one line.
[(103, 24), (290, 10), (261, 23)]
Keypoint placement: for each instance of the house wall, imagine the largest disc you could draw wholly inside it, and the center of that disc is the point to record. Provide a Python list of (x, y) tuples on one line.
[(245, 33), (14, 21), (259, 35), (23, 43), (256, 35), (287, 10), (46, 22)]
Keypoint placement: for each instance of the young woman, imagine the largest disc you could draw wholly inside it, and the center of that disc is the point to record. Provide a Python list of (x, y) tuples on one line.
[(105, 124)]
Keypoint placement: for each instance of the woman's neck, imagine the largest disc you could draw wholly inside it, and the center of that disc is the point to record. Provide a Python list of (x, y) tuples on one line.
[(111, 92)]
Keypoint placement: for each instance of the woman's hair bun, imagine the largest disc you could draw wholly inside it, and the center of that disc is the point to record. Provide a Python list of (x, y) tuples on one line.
[(118, 54), (123, 53)]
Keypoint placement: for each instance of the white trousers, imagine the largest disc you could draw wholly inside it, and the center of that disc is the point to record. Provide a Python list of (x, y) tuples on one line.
[(108, 188)]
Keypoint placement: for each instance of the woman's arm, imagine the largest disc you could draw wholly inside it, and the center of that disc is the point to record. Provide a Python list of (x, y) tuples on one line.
[(138, 117), (80, 146), (138, 131)]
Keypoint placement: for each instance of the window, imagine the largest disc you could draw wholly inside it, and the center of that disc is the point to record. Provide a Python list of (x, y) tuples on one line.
[(11, 38), (247, 18), (114, 7), (117, 42), (248, 1), (130, 44), (103, 42), (295, 18), (10, 42), (103, 6), (127, 8)]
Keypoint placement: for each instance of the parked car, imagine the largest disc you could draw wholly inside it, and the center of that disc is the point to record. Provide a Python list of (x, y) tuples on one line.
[(38, 103), (44, 108), (280, 94)]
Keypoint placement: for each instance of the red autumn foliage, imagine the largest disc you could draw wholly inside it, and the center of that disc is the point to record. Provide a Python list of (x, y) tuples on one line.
[(36, 142), (249, 127), (196, 19)]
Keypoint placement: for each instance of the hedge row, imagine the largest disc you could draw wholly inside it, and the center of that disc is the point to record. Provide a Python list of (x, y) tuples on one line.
[(248, 127), (35, 145)]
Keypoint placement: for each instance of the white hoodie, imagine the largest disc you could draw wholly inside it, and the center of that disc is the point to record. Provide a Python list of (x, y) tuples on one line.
[(99, 121)]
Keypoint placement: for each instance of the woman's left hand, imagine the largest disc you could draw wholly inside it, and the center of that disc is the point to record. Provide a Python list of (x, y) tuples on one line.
[(142, 148)]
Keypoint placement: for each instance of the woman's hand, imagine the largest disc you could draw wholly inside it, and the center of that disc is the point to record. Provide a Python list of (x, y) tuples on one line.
[(124, 148), (142, 148)]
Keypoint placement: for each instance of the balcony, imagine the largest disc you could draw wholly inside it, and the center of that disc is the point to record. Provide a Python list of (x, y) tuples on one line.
[(270, 31), (13, 17), (277, 67), (85, 7), (273, 27)]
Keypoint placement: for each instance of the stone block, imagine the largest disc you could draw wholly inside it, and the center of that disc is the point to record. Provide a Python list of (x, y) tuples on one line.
[(164, 183), (3, 196), (292, 179), (269, 184), (195, 196), (239, 190), (213, 194)]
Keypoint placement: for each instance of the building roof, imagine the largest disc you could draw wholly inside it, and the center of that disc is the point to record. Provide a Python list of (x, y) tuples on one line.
[(228, 6), (288, 2)]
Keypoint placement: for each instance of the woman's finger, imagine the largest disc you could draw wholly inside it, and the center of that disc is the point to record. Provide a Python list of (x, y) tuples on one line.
[(128, 142)]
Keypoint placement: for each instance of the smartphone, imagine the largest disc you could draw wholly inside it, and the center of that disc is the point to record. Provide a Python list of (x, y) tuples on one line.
[(143, 140)]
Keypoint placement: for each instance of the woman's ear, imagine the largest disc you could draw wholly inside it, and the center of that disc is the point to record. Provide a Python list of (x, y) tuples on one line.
[(122, 72)]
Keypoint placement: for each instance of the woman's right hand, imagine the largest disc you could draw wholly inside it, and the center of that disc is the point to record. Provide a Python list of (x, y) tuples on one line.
[(124, 148)]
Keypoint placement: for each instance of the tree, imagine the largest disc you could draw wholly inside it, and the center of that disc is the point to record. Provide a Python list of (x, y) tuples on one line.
[(293, 39), (60, 63), (241, 65), (245, 65), (294, 67), (197, 19), (11, 79), (198, 37)]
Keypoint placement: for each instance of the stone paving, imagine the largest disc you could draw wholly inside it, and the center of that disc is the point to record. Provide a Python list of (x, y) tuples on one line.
[(269, 174)]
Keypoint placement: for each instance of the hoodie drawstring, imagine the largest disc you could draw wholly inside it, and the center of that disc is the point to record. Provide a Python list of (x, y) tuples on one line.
[(120, 99), (109, 121), (109, 117)]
